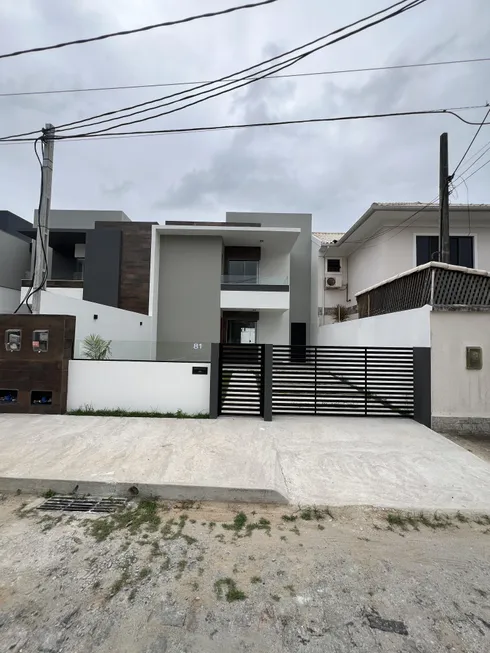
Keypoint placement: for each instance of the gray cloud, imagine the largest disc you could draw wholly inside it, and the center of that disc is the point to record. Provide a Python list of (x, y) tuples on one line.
[(333, 170)]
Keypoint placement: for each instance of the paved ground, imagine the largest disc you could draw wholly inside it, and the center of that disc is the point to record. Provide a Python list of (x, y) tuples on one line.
[(202, 579), (303, 460)]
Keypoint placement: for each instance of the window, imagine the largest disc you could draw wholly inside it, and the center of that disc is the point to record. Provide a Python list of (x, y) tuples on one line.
[(242, 271), (461, 250), (333, 265)]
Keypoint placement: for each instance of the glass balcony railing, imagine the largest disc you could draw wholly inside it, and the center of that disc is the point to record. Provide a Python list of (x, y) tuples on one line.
[(252, 280)]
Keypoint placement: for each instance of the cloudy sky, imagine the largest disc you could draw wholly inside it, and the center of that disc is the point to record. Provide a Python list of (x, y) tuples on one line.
[(334, 171)]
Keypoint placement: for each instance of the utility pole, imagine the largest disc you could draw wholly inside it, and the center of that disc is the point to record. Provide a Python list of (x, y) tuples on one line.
[(42, 242), (444, 247)]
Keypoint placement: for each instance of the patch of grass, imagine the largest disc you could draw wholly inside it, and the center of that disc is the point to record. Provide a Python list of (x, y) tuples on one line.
[(120, 412), (121, 582), (261, 525), (182, 565), (283, 538), (295, 530), (145, 515), (232, 593), (50, 522), (462, 518), (291, 589), (220, 537), (255, 579), (96, 585), (155, 549), (313, 513), (275, 597), (190, 540), (238, 523), (48, 494), (132, 594), (401, 520), (396, 519), (144, 573), (165, 566), (320, 527), (289, 518)]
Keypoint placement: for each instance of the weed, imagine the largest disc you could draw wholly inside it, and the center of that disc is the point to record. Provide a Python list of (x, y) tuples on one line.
[(283, 538), (155, 549), (48, 494), (289, 518), (320, 527), (235, 569), (192, 521), (306, 514), (255, 579), (145, 515), (132, 594), (275, 597), (165, 566), (262, 524), (237, 524), (232, 592), (145, 536), (200, 558), (220, 537), (295, 530), (190, 540), (96, 585), (200, 571), (461, 518), (396, 519), (182, 565), (144, 573), (290, 589), (211, 525), (121, 582), (195, 585), (251, 558), (185, 505), (50, 522), (203, 523), (313, 512)]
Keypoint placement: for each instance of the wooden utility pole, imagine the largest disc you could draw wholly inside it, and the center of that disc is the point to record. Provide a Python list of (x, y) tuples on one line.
[(444, 246), (42, 242)]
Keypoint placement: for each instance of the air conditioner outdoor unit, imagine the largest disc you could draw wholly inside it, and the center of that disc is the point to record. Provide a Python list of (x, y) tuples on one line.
[(333, 281)]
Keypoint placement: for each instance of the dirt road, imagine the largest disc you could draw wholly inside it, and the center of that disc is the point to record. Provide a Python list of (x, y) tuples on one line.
[(187, 578)]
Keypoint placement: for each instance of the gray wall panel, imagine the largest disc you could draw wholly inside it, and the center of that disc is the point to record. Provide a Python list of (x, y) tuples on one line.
[(102, 266)]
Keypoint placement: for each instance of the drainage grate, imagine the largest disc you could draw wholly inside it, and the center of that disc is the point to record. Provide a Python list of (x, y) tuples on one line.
[(83, 504)]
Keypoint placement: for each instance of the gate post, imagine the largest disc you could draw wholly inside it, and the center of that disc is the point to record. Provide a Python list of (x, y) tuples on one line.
[(267, 382), (422, 387), (214, 381)]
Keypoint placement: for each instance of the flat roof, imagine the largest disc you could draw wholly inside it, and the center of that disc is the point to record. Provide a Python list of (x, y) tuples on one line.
[(281, 239)]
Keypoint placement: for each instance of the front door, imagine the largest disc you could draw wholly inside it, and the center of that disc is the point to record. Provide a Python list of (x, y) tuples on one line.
[(241, 332)]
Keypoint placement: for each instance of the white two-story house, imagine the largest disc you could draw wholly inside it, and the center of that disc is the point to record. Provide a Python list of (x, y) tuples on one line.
[(388, 240)]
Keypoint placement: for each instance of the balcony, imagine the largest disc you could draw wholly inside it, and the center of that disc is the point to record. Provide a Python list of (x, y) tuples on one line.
[(240, 292), (434, 284)]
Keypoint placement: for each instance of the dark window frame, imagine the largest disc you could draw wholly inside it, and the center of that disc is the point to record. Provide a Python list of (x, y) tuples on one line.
[(462, 249), (334, 265)]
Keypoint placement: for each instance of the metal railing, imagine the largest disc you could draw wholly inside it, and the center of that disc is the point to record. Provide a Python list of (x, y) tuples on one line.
[(436, 284)]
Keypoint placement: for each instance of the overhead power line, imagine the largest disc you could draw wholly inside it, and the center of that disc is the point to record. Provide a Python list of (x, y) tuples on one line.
[(189, 130), (342, 71), (146, 28), (276, 67), (471, 143), (247, 79)]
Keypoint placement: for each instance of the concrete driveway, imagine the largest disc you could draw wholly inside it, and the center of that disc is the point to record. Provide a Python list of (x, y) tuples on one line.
[(336, 461)]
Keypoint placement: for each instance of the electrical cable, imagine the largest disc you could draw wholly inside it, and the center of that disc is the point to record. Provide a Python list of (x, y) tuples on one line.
[(471, 143), (129, 87), (29, 292), (213, 128), (146, 28), (65, 126), (188, 130), (246, 81)]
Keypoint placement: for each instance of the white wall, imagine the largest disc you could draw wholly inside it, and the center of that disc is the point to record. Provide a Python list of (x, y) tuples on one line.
[(9, 300), (130, 339), (456, 391), (75, 293), (142, 386), (273, 328), (403, 329), (254, 300)]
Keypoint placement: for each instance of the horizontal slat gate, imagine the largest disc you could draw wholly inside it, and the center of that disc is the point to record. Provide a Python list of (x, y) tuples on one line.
[(364, 381), (241, 379)]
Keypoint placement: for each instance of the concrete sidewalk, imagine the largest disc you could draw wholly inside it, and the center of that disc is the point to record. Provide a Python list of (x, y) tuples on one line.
[(383, 462)]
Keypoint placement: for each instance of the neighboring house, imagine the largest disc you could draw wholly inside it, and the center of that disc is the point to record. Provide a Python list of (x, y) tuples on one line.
[(14, 259), (98, 256), (246, 280), (388, 240)]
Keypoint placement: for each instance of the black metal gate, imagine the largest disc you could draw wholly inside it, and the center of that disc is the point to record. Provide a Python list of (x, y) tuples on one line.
[(241, 380), (363, 381)]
